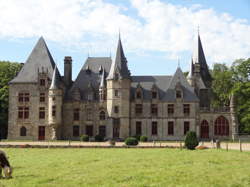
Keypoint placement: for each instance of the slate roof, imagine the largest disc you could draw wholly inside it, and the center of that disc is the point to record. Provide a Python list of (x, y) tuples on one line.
[(120, 64), (199, 57), (40, 59), (165, 86), (90, 75)]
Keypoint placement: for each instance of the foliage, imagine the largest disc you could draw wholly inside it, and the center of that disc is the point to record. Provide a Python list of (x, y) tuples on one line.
[(8, 71), (127, 167), (143, 138), (241, 77), (233, 80), (131, 141), (84, 138), (222, 85), (191, 140), (137, 137), (99, 138)]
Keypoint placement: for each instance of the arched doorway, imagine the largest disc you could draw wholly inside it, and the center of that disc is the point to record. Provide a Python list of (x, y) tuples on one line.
[(204, 130), (221, 126)]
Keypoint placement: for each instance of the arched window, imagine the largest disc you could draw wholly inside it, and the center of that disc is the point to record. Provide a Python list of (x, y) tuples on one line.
[(221, 126), (102, 115), (22, 131)]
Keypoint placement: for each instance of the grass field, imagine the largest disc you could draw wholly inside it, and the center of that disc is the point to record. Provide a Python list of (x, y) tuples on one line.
[(127, 167)]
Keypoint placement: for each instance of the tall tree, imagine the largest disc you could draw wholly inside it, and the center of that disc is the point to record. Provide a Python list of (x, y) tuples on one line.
[(241, 77), (222, 85), (8, 71)]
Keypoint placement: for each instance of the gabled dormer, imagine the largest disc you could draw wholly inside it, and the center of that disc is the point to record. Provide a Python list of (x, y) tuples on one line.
[(90, 95), (154, 92), (178, 91), (139, 92)]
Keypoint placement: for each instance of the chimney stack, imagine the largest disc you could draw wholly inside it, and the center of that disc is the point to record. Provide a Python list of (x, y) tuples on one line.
[(68, 71)]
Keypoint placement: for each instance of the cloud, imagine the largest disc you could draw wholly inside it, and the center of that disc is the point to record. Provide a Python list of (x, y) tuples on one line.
[(157, 26)]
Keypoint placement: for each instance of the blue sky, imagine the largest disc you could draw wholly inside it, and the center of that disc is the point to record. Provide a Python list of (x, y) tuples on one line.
[(155, 33)]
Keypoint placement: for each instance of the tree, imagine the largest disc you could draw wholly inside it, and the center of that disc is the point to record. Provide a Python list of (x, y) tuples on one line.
[(241, 77), (8, 71), (222, 85)]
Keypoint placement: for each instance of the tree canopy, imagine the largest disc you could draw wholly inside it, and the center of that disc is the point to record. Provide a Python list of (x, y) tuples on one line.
[(8, 71)]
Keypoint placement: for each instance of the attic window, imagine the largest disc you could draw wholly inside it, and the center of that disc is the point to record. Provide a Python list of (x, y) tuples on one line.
[(116, 76), (138, 95), (154, 95), (178, 94), (42, 82)]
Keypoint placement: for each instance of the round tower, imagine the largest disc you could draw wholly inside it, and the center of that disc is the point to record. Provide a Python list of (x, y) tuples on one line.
[(55, 106)]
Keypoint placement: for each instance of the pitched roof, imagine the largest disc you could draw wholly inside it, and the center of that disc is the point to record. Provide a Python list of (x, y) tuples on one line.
[(55, 80), (199, 57), (92, 75), (120, 64), (165, 85), (40, 59)]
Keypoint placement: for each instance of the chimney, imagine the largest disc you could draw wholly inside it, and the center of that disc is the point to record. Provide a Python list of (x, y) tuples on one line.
[(67, 71)]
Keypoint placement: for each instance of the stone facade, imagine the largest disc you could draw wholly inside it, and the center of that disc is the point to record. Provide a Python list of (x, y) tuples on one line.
[(106, 100)]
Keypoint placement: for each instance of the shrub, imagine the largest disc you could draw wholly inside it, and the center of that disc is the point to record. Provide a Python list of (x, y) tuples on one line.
[(99, 138), (131, 141), (191, 140), (137, 137), (84, 138), (143, 138)]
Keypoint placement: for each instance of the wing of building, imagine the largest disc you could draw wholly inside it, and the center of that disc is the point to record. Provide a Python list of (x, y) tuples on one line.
[(105, 99)]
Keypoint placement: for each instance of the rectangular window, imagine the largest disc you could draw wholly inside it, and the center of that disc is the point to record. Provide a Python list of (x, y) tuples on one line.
[(186, 109), (89, 114), (23, 97), (170, 109), (138, 95), (89, 130), (178, 94), (41, 112), (42, 97), (116, 93), (138, 108), (116, 109), (138, 128), (170, 128), (42, 82), (154, 128), (154, 109), (154, 95), (23, 112), (186, 127), (76, 130), (76, 114), (53, 110)]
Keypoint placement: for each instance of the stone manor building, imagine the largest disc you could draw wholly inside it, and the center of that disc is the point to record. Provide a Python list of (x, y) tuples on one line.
[(105, 99)]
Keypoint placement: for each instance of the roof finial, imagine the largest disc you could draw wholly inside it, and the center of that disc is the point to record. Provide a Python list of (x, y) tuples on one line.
[(119, 34), (198, 29), (178, 62)]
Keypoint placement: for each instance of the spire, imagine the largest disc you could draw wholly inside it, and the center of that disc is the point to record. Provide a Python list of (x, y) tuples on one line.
[(120, 64), (199, 57), (102, 82), (55, 80)]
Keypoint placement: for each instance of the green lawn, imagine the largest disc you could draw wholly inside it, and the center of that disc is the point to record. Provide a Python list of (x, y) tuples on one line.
[(127, 167)]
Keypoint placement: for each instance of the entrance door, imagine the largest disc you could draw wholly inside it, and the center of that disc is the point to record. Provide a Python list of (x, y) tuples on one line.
[(41, 133), (204, 130), (116, 128)]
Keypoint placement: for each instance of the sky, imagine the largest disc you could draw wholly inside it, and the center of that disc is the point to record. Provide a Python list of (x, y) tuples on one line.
[(156, 34)]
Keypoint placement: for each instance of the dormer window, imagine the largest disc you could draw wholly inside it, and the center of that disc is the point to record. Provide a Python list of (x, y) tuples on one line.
[(90, 97), (138, 95), (154, 94), (178, 94), (42, 82)]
